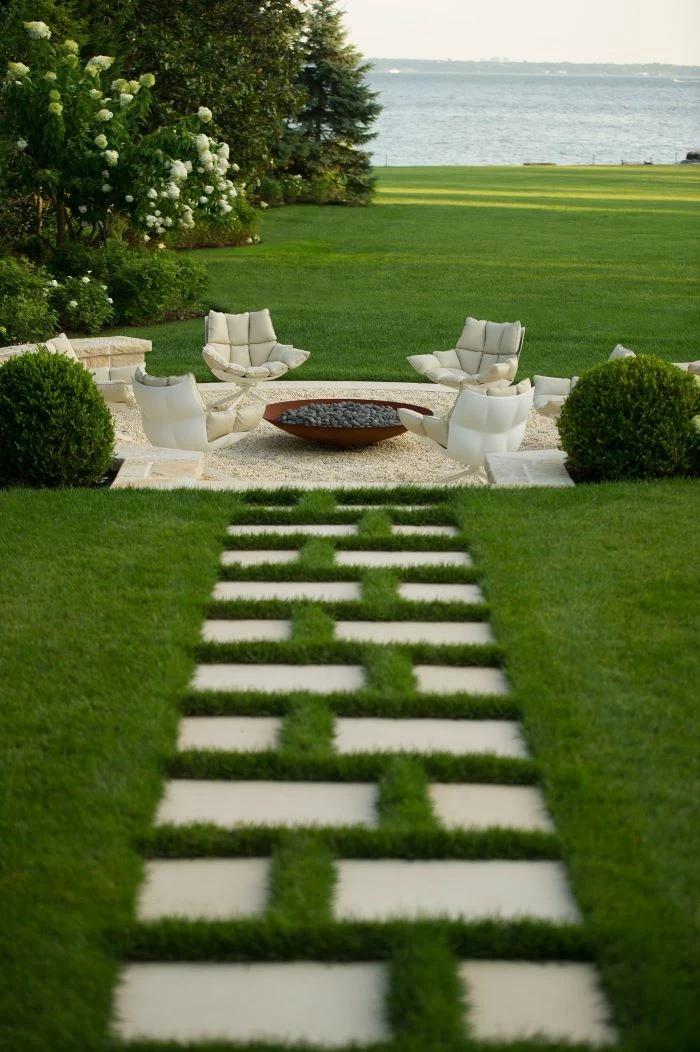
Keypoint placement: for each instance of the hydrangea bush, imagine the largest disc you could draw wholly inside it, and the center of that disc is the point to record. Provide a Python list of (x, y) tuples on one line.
[(80, 141)]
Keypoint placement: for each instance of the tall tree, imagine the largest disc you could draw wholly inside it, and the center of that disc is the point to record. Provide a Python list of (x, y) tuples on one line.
[(335, 121)]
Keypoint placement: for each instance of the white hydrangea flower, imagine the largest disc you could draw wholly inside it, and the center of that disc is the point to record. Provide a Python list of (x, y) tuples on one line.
[(100, 141), (249, 241), (100, 62), (134, 87), (178, 170), (38, 30), (53, 283), (223, 150), (264, 204), (105, 188), (95, 93), (125, 98), (119, 85), (147, 80), (85, 280), (146, 237), (161, 245), (204, 200), (50, 75), (71, 46), (72, 61), (21, 144), (56, 108), (204, 114), (16, 69), (129, 198), (111, 157), (109, 298), (150, 220), (188, 166), (235, 168), (209, 189), (201, 141), (82, 209), (152, 193), (104, 115), (173, 191), (73, 304), (167, 221)]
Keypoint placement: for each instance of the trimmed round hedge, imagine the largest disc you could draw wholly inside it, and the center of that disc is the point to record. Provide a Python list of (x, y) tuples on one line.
[(632, 418), (55, 429)]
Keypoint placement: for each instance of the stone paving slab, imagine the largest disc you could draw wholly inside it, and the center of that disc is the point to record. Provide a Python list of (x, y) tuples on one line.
[(383, 507), (517, 1000), (453, 679), (424, 531), (484, 806), (383, 889), (457, 737), (204, 888), (258, 558), (229, 733), (531, 467), (232, 804), (366, 558), (331, 1005), (309, 530), (436, 633), (319, 591), (441, 593), (279, 679), (246, 631)]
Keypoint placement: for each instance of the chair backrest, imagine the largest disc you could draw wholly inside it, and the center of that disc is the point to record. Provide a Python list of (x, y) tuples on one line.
[(481, 422), (245, 339), (484, 343), (172, 410)]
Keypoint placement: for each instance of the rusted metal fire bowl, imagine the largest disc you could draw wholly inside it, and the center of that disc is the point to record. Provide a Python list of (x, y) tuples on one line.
[(339, 436)]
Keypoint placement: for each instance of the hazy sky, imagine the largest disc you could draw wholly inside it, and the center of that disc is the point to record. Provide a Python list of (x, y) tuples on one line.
[(533, 30)]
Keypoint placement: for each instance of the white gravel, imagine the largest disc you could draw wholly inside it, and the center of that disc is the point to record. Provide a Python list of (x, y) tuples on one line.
[(270, 455)]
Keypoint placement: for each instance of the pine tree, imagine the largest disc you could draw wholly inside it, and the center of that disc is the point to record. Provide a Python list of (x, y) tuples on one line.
[(324, 142)]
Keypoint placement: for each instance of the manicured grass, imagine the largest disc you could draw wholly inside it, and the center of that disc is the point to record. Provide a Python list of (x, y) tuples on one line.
[(585, 257), (594, 598)]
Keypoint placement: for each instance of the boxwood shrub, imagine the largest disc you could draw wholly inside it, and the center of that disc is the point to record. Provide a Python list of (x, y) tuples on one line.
[(632, 418), (55, 429)]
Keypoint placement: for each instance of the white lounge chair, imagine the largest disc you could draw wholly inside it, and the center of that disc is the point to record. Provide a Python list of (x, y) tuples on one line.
[(175, 417), (243, 349), (485, 355), (482, 421)]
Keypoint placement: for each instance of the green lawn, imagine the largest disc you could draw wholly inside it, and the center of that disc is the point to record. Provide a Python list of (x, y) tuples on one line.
[(594, 594), (584, 257)]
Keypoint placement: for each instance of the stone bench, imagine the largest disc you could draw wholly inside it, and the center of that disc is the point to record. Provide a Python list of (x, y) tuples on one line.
[(96, 352)]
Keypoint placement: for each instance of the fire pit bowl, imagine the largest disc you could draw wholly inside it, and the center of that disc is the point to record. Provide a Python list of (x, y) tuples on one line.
[(339, 436)]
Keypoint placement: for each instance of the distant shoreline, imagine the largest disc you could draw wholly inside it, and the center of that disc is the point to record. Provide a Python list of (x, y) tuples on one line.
[(423, 65)]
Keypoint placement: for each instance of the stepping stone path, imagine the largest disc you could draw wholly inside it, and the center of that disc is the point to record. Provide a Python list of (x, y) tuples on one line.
[(339, 1004)]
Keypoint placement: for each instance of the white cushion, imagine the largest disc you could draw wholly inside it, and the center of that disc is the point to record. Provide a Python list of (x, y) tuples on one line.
[(411, 420), (249, 416), (220, 423), (436, 427), (276, 369), (469, 361), (117, 391), (449, 359), (122, 372), (101, 374), (422, 362), (290, 356), (621, 352), (449, 377), (61, 345), (473, 336), (499, 371)]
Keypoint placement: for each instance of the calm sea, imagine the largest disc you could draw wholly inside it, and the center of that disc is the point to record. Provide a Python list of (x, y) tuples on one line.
[(482, 118)]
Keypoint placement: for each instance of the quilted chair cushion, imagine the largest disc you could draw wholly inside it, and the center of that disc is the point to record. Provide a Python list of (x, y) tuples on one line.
[(551, 392), (223, 422), (245, 346), (479, 424)]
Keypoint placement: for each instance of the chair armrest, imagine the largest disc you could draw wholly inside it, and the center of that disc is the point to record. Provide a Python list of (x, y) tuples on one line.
[(412, 420), (215, 360), (422, 362), (498, 371), (288, 355)]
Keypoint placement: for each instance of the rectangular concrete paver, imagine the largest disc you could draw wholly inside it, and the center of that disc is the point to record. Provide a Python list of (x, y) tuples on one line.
[(441, 593), (454, 679), (528, 467), (309, 530), (203, 888), (424, 531), (517, 1000), (332, 1005), (317, 591), (232, 804), (436, 633), (229, 733), (382, 507), (246, 631), (457, 737), (372, 890), (280, 679), (258, 558), (483, 806), (351, 558)]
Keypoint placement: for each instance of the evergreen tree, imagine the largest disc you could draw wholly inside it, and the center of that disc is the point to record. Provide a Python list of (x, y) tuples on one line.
[(324, 142)]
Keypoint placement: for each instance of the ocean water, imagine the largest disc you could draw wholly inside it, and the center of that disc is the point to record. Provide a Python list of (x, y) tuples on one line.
[(505, 118)]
